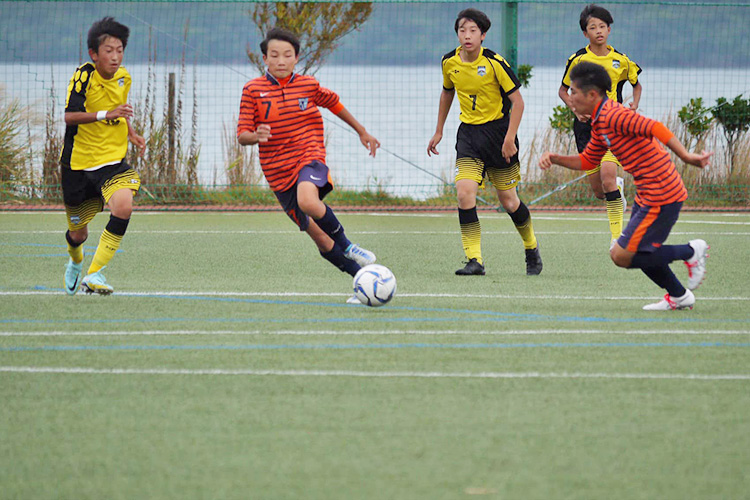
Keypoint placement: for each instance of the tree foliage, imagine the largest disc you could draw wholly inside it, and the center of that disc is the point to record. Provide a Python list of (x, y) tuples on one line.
[(319, 27), (734, 118)]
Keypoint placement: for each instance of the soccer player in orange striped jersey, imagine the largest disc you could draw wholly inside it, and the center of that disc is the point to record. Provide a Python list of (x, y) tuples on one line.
[(659, 188), (279, 112)]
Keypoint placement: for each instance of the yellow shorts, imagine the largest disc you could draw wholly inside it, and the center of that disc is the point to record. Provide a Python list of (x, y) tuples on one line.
[(503, 179), (608, 156)]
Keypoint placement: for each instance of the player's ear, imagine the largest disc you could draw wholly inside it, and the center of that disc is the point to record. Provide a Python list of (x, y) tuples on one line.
[(93, 55)]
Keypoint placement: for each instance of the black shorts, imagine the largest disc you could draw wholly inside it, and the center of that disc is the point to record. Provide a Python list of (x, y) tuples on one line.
[(315, 172), (81, 185), (484, 142), (582, 132)]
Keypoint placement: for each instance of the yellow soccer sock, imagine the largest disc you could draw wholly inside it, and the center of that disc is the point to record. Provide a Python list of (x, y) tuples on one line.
[(75, 251), (615, 209), (522, 220), (471, 233), (108, 245)]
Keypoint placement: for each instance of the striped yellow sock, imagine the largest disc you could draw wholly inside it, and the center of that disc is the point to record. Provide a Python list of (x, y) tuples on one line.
[(615, 209), (108, 245), (522, 220), (471, 233)]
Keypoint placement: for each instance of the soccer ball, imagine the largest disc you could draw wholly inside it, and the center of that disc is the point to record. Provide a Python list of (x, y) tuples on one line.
[(374, 285)]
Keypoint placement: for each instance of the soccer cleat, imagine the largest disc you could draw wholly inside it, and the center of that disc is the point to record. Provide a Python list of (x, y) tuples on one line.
[(669, 303), (621, 186), (472, 268), (533, 261), (359, 255), (353, 300), (96, 283), (696, 264), (73, 276)]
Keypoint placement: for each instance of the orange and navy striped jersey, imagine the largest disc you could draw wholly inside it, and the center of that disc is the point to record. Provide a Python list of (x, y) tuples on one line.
[(630, 137), (291, 110)]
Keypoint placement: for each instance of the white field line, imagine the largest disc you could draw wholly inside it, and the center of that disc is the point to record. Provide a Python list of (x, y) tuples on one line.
[(313, 295), (377, 333), (372, 374)]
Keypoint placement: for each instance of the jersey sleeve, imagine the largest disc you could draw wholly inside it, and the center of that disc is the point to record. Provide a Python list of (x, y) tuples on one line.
[(508, 80), (633, 71), (594, 152), (248, 109), (325, 98), (566, 75), (447, 82), (76, 94)]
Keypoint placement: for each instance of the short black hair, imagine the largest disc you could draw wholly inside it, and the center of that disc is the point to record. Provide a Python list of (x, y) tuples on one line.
[(475, 15), (593, 10), (587, 76), (280, 34), (106, 27)]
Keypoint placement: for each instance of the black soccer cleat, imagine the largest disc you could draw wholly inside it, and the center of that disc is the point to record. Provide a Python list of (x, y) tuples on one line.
[(472, 268), (533, 262)]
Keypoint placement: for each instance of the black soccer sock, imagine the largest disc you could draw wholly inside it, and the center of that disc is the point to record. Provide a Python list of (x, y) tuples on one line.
[(522, 220), (337, 258), (333, 228), (662, 256), (665, 278)]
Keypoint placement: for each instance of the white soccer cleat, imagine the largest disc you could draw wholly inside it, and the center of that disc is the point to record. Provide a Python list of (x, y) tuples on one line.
[(621, 186), (96, 283), (696, 264), (353, 300), (359, 255), (669, 303)]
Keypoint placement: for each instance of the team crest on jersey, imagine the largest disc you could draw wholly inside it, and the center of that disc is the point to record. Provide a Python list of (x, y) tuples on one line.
[(615, 64), (302, 103), (121, 82), (482, 70)]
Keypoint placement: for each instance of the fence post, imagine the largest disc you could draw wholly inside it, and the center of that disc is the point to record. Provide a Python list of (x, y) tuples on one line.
[(171, 177), (510, 34)]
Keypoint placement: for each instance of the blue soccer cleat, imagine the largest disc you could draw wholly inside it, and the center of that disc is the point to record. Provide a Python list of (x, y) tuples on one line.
[(96, 283), (73, 276), (359, 255)]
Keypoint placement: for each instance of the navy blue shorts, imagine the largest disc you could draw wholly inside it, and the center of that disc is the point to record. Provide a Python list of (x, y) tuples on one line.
[(317, 173), (649, 227)]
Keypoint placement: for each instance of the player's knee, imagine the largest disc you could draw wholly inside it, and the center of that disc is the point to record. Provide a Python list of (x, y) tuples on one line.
[(78, 236), (619, 259)]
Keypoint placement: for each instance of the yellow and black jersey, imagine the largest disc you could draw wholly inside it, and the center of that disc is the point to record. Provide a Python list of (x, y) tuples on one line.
[(94, 145), (619, 66), (483, 86)]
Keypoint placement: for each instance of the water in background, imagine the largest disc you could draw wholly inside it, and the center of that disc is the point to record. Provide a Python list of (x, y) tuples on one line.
[(397, 104)]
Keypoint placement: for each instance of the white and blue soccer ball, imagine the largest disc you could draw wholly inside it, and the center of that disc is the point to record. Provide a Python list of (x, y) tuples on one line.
[(374, 285)]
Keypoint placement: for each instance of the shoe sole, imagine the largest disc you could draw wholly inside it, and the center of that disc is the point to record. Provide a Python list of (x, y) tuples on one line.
[(98, 291)]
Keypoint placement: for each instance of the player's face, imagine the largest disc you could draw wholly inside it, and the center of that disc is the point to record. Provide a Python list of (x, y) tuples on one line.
[(597, 31), (469, 35), (280, 58), (109, 57), (583, 102)]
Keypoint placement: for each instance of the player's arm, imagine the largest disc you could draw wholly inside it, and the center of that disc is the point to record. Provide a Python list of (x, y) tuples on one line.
[(367, 140), (637, 91), (83, 117), (517, 107), (563, 93), (446, 100), (249, 132), (572, 162), (700, 160), (135, 138), (261, 134)]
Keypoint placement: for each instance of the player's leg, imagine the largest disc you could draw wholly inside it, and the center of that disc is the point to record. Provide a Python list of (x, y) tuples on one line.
[(118, 191), (82, 203), (471, 230), (506, 181), (313, 184), (612, 194), (640, 247)]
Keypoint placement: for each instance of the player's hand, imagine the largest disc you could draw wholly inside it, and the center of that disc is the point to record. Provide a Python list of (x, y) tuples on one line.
[(545, 161), (700, 160), (263, 132), (509, 148), (121, 111), (138, 141), (370, 143), (432, 146), (633, 105)]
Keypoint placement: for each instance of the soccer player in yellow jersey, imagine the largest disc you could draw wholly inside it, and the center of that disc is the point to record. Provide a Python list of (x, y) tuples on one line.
[(595, 22), (486, 144), (92, 163)]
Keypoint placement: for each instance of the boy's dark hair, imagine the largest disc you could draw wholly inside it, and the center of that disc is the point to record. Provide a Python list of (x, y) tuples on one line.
[(475, 15), (106, 27), (587, 76), (593, 10), (280, 34)]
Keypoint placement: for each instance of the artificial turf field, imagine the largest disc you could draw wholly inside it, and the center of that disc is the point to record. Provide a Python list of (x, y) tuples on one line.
[(227, 365)]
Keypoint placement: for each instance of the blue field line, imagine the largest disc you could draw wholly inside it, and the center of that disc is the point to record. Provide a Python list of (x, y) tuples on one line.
[(271, 347)]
